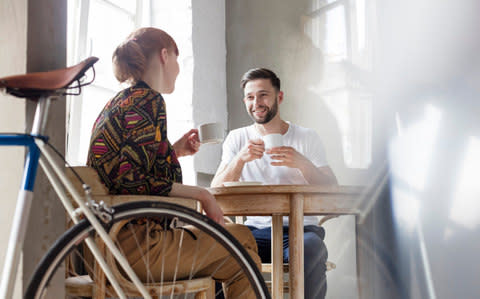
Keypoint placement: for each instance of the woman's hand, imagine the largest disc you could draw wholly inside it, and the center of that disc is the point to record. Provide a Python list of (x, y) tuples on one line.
[(211, 208), (188, 144), (208, 201)]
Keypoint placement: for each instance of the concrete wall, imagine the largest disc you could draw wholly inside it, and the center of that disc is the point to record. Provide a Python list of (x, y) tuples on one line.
[(209, 76), (270, 33), (46, 50), (13, 38), (200, 93)]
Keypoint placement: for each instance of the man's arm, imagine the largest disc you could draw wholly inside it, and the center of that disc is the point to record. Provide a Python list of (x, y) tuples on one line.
[(318, 175), (228, 173), (232, 171)]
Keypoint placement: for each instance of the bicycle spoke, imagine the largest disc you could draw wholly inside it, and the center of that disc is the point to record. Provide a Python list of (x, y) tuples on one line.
[(169, 267), (190, 274), (178, 260), (144, 256), (164, 244)]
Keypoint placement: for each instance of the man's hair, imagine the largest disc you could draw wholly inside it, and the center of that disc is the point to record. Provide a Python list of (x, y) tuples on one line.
[(260, 73)]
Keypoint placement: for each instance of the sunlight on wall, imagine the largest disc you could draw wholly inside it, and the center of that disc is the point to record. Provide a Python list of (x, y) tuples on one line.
[(466, 205), (409, 163), (406, 207)]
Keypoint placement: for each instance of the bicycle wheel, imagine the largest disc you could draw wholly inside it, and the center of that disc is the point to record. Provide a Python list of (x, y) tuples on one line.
[(170, 247)]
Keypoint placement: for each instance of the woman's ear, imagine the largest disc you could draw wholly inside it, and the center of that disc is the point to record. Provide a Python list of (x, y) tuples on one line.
[(163, 55)]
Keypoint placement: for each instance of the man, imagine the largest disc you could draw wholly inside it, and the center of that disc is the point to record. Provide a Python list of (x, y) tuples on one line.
[(301, 160)]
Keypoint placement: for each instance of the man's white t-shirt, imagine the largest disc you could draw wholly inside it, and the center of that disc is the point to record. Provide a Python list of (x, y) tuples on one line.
[(304, 140)]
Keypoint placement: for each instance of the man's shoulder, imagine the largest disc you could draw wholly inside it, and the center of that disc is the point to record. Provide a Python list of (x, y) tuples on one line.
[(303, 131)]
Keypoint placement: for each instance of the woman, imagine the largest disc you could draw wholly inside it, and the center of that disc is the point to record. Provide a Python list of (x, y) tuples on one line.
[(130, 150)]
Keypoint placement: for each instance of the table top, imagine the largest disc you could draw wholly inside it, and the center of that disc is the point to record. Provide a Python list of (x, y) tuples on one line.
[(275, 199)]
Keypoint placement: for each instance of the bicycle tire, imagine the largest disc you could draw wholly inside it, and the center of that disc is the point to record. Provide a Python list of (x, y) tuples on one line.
[(71, 243)]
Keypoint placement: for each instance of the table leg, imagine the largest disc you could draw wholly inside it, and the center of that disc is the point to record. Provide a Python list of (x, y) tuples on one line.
[(295, 235), (277, 256)]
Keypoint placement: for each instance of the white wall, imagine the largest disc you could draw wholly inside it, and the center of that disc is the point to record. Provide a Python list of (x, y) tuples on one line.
[(13, 38)]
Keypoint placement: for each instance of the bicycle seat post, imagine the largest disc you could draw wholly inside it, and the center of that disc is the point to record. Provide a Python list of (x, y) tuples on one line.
[(40, 118)]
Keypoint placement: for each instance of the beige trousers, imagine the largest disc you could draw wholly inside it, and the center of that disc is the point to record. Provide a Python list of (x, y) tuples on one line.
[(175, 253)]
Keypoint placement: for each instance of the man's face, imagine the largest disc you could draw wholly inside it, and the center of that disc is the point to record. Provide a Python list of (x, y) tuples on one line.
[(261, 100)]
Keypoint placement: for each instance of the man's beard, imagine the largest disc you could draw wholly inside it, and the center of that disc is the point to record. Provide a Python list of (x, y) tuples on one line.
[(271, 112)]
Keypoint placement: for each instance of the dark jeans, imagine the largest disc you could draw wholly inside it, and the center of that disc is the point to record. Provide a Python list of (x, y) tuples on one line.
[(315, 254)]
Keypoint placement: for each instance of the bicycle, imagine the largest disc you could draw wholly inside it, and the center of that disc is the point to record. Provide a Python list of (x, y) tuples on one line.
[(94, 220)]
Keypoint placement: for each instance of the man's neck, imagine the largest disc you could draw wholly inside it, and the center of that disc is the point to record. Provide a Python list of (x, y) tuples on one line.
[(275, 126)]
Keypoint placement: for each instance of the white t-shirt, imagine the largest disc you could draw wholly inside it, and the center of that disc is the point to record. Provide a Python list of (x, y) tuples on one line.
[(305, 141)]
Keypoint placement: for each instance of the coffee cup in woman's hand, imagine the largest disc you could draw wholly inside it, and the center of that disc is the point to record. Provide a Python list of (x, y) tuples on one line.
[(211, 133)]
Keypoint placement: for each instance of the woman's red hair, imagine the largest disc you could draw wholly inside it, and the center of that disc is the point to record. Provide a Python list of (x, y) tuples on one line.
[(130, 58)]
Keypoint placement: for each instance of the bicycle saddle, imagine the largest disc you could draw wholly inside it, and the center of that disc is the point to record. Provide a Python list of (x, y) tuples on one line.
[(34, 85)]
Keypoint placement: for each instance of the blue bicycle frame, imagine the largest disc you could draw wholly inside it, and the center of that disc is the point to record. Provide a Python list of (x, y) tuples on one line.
[(25, 196), (33, 155)]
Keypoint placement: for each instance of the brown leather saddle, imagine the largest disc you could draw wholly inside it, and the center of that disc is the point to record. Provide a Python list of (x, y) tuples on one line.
[(35, 85)]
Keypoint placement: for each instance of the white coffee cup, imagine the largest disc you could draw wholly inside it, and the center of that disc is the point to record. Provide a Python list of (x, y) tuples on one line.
[(273, 140), (211, 133)]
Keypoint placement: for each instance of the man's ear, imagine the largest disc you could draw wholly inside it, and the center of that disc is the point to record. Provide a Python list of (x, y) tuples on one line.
[(280, 97), (163, 55)]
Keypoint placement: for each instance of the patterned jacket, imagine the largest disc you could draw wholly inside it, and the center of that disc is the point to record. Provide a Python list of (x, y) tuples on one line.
[(129, 146)]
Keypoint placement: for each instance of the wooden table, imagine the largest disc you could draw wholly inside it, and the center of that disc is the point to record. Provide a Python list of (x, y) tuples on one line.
[(294, 201)]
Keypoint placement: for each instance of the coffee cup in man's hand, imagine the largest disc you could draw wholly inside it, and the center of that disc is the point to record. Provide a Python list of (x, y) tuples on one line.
[(273, 140)]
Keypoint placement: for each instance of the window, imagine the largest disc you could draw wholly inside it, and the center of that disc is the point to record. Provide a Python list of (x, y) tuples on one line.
[(95, 28), (339, 29)]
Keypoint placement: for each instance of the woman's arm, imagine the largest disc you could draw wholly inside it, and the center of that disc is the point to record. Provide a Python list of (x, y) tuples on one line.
[(208, 201)]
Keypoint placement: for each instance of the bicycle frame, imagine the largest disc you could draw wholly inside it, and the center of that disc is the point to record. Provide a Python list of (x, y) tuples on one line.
[(37, 154)]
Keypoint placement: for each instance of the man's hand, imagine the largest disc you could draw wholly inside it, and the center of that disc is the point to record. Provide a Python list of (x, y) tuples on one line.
[(287, 156), (253, 150), (231, 172), (188, 144)]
